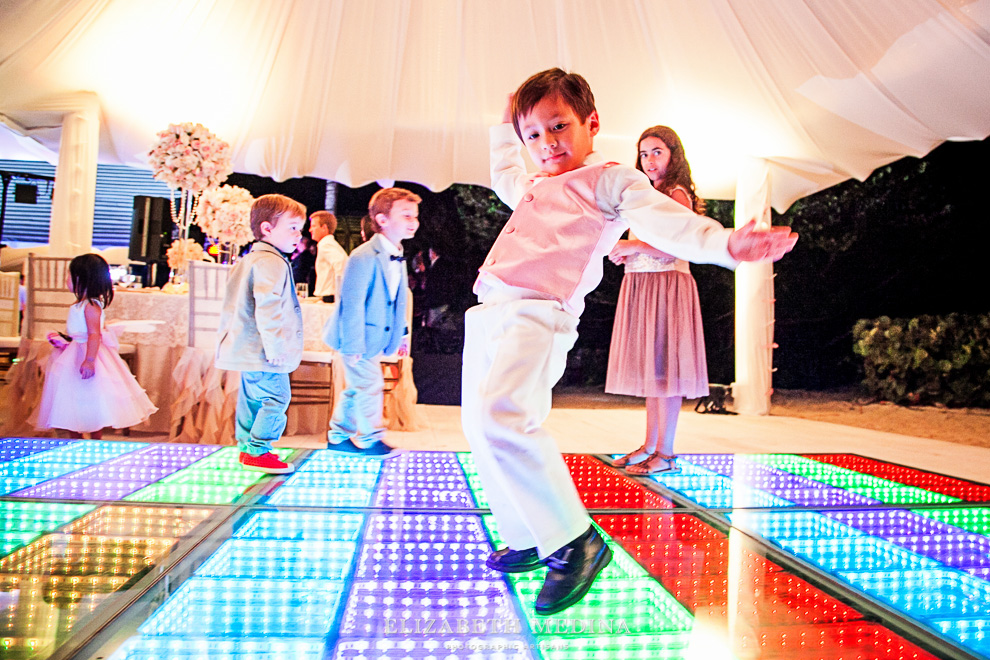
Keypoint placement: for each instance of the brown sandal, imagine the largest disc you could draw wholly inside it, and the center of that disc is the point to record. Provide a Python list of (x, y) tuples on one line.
[(623, 461), (656, 464)]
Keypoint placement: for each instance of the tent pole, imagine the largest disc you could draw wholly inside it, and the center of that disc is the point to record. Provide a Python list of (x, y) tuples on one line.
[(754, 299)]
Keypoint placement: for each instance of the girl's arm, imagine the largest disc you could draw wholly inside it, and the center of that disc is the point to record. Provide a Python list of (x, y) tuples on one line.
[(92, 313), (627, 248)]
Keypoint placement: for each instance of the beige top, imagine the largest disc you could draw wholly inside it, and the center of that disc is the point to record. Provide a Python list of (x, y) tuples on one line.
[(261, 317)]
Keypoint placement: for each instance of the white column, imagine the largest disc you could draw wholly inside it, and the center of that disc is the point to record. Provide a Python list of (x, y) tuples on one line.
[(754, 299), (74, 203)]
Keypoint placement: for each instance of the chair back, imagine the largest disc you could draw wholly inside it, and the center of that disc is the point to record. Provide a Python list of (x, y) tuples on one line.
[(207, 286), (48, 298), (10, 304)]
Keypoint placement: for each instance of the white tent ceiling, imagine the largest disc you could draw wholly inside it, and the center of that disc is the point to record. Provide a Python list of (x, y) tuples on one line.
[(364, 90)]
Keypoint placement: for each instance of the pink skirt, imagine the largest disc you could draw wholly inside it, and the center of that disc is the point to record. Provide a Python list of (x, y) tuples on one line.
[(658, 344), (111, 398)]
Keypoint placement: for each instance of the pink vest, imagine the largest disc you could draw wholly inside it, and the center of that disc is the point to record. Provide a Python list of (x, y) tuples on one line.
[(556, 239)]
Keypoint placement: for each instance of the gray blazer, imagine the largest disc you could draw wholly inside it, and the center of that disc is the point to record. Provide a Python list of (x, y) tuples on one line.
[(261, 316), (367, 321)]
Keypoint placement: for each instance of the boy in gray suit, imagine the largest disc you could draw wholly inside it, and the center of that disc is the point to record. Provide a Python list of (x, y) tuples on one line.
[(370, 321), (261, 330)]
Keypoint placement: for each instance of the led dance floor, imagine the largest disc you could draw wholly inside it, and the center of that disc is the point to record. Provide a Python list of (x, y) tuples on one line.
[(135, 551)]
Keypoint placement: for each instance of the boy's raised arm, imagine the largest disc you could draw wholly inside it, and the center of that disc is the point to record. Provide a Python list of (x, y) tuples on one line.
[(510, 180)]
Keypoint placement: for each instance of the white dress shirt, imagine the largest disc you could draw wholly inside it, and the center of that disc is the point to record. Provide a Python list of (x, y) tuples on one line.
[(330, 261)]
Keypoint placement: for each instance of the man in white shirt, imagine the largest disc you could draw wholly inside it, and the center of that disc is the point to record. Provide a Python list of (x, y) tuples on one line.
[(330, 256)]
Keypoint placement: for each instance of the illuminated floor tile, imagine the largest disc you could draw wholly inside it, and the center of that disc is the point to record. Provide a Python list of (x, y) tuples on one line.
[(11, 448), (251, 608), (967, 491), (187, 493), (214, 648), (280, 559), (403, 576), (302, 526)]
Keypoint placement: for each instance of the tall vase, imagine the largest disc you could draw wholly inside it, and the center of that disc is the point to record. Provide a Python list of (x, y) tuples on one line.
[(227, 253), (184, 212)]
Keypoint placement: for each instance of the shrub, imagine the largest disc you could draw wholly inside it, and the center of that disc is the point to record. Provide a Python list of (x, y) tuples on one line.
[(925, 360)]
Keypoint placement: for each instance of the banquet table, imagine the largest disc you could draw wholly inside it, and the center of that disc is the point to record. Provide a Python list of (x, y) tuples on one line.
[(158, 353)]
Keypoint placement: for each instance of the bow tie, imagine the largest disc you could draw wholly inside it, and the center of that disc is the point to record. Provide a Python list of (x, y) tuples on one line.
[(396, 257)]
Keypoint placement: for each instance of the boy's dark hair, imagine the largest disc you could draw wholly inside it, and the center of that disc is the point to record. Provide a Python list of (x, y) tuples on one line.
[(572, 88), (678, 170), (269, 208), (90, 277)]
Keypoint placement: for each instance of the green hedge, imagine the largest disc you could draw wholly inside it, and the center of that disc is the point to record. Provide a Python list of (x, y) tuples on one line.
[(926, 360)]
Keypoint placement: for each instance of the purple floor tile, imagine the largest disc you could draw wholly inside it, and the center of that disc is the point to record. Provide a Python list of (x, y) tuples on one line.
[(430, 561), (420, 527), (77, 489)]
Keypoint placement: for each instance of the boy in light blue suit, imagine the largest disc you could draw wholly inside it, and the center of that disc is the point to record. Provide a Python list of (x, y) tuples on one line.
[(370, 321)]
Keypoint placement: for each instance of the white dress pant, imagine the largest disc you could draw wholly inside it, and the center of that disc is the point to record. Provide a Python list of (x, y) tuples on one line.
[(514, 353), (358, 414)]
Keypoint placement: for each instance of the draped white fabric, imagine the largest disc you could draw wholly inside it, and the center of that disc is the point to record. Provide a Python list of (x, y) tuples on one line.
[(363, 90), (774, 99)]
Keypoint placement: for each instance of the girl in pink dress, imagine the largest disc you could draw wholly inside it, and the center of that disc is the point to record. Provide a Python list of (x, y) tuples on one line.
[(658, 347), (87, 386)]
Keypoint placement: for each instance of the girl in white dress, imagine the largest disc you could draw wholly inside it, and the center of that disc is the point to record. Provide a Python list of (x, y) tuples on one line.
[(87, 386)]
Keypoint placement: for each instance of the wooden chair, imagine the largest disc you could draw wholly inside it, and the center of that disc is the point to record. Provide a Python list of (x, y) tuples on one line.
[(207, 286), (391, 372), (10, 319), (49, 299)]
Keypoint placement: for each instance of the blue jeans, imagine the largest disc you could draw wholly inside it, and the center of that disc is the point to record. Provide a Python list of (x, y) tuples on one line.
[(261, 406)]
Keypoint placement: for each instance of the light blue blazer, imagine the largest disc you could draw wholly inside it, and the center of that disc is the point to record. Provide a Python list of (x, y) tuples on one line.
[(367, 321)]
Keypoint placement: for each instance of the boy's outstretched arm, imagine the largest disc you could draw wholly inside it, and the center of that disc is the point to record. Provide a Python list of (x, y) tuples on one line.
[(747, 244)]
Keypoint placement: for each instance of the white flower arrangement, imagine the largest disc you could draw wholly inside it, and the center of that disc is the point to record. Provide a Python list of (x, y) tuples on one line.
[(224, 214), (182, 251), (189, 157)]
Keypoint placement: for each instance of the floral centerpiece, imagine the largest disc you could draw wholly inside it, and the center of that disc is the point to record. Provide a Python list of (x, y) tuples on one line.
[(224, 214), (180, 253), (190, 159)]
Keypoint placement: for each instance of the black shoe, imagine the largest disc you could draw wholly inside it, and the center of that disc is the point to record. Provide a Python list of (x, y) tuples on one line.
[(573, 569), (508, 560)]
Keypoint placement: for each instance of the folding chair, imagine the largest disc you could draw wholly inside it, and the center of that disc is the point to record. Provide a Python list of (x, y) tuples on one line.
[(207, 286), (49, 299), (10, 319)]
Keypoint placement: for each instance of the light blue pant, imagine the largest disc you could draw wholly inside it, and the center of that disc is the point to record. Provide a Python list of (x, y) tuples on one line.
[(261, 406), (358, 414)]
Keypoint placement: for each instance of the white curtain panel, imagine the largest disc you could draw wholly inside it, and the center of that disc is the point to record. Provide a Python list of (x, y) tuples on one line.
[(364, 90)]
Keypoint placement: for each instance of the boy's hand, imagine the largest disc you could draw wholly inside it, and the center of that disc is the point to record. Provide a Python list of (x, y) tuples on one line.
[(88, 368), (747, 244), (507, 113), (622, 251), (403, 347), (276, 360)]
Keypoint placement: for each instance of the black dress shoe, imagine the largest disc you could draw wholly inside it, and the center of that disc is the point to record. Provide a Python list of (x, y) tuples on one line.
[(573, 569), (508, 560)]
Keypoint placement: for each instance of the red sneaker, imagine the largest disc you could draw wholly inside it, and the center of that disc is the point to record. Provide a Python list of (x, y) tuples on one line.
[(268, 463)]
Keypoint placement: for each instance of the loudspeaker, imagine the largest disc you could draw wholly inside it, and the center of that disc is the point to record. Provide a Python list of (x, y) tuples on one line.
[(151, 229)]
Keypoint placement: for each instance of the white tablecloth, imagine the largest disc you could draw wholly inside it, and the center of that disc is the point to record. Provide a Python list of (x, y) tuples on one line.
[(195, 401), (166, 368)]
